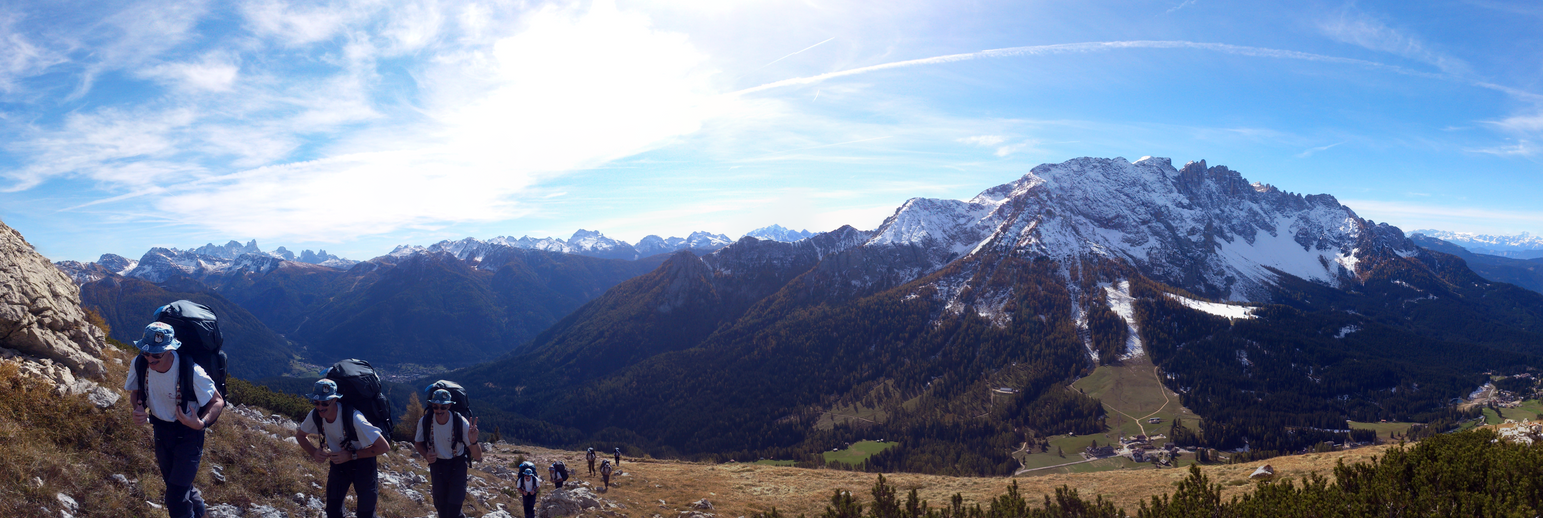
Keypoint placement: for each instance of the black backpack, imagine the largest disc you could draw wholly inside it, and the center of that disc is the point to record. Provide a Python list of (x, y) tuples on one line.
[(360, 387), (197, 328), (561, 469), (459, 402)]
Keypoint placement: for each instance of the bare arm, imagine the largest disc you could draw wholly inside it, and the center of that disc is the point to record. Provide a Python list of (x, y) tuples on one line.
[(210, 413)]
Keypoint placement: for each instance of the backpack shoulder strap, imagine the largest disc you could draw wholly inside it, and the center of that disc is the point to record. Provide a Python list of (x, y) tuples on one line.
[(455, 434), (346, 413), (142, 369), (426, 423), (320, 428), (185, 381)]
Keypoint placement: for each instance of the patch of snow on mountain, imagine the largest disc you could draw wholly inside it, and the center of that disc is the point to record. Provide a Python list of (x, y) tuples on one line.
[(1121, 302), (1281, 252), (1345, 331), (1230, 311)]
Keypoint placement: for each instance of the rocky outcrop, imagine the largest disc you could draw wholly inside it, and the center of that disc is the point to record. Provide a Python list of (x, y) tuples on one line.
[(40, 313)]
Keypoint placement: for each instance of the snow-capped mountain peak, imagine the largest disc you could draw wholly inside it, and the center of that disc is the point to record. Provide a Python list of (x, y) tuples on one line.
[(1202, 228)]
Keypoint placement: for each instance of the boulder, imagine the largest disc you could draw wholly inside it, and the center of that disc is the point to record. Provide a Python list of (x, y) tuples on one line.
[(1265, 471), (40, 312)]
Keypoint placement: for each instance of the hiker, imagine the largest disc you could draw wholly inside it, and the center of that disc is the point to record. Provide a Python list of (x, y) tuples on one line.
[(529, 485), (605, 473), (590, 456), (179, 432), (618, 457), (446, 439), (559, 472), (349, 442)]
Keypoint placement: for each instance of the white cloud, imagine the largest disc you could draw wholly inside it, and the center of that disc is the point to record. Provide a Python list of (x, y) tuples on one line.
[(301, 23), (984, 140), (19, 56), (572, 89), (1014, 148), (211, 74), (1522, 148)]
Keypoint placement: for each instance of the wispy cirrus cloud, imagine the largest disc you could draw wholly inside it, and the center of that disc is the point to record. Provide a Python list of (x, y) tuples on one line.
[(1353, 26), (1310, 151)]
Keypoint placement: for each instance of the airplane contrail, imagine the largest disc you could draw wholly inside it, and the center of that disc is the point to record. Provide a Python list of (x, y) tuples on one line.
[(1066, 48)]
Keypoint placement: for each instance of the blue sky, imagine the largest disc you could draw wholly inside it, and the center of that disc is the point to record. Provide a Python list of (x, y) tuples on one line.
[(358, 125)]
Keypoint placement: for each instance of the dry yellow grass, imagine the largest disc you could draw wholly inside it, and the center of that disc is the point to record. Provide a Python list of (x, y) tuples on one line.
[(742, 489)]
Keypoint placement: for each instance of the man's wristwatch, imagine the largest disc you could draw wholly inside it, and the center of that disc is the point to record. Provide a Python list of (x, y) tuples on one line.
[(356, 456)]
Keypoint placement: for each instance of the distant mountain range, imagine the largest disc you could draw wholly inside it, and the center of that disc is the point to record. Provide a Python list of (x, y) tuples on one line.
[(452, 303), (1520, 246)]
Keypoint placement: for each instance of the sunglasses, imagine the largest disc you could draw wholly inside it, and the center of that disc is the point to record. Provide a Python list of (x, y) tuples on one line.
[(153, 356), (439, 407), (321, 404)]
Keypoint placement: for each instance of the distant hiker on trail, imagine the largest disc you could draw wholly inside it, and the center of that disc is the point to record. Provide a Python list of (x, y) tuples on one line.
[(590, 456), (605, 473), (529, 486), (349, 442), (158, 381), (445, 439), (559, 472), (618, 457)]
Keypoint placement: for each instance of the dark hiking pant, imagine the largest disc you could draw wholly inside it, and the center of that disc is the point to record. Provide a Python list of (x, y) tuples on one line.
[(530, 505), (449, 486), (591, 467), (357, 473), (178, 450)]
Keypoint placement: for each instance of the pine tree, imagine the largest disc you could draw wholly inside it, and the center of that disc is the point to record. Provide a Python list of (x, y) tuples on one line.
[(407, 426)]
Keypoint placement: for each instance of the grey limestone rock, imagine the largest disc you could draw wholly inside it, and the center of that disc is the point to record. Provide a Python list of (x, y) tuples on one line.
[(40, 312)]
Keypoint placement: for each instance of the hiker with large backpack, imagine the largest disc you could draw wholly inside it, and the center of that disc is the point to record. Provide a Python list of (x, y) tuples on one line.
[(559, 472), (590, 456), (349, 442), (605, 473), (179, 399), (529, 486), (448, 441)]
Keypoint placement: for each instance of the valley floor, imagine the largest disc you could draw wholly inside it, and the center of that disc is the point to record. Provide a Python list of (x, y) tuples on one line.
[(740, 489)]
